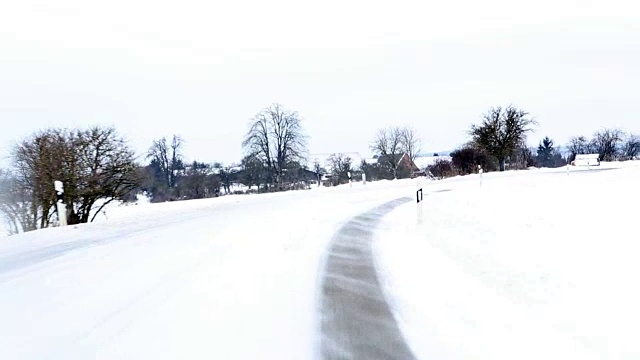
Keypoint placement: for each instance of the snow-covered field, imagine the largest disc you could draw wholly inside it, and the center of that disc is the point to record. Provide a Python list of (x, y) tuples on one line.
[(532, 264), (537, 267)]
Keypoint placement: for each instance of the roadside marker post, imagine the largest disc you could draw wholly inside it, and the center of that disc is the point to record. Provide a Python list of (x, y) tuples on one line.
[(419, 201), (62, 208), (480, 171)]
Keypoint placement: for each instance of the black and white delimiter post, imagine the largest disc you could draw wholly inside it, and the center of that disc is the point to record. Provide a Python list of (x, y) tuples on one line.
[(62, 208), (419, 200)]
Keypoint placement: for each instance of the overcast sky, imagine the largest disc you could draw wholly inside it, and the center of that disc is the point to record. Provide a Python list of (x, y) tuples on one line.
[(202, 69)]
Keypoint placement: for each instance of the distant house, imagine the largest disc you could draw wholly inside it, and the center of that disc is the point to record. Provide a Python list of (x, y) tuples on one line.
[(407, 163), (404, 164)]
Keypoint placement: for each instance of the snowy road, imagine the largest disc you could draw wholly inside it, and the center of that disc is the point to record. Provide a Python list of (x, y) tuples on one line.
[(357, 322), (229, 278)]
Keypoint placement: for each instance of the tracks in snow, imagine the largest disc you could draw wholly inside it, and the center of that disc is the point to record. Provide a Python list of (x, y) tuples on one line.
[(357, 322)]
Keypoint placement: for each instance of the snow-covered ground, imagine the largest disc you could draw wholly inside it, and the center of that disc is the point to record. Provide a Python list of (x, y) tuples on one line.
[(227, 278), (531, 263), (542, 266)]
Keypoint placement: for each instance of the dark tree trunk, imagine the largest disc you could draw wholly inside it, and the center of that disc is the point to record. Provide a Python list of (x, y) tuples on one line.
[(45, 216), (72, 217), (502, 164)]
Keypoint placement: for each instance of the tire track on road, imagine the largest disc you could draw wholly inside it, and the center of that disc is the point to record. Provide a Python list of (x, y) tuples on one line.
[(357, 322)]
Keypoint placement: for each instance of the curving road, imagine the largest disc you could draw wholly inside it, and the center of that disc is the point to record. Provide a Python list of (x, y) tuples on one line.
[(357, 322)]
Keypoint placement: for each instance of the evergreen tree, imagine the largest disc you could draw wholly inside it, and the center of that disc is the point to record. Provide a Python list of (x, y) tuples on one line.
[(545, 152)]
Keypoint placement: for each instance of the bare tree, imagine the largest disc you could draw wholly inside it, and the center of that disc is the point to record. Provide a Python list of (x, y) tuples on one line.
[(105, 171), (257, 143), (631, 147), (176, 159), (224, 175), (276, 137), (15, 206), (388, 145), (95, 165), (606, 143), (159, 154), (168, 158), (578, 145), (290, 142), (410, 142), (334, 163), (501, 132), (38, 161), (319, 170), (340, 167)]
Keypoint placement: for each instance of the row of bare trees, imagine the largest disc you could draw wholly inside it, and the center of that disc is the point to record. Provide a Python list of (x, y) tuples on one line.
[(500, 141), (168, 177), (97, 167), (610, 144), (275, 146)]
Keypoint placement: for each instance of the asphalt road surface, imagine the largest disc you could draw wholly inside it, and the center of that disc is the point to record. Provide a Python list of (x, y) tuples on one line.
[(357, 322)]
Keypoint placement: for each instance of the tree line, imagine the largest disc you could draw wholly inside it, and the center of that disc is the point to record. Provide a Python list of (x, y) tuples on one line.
[(610, 144), (98, 167), (274, 146), (499, 142)]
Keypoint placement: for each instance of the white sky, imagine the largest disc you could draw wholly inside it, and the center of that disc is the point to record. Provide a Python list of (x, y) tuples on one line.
[(203, 68)]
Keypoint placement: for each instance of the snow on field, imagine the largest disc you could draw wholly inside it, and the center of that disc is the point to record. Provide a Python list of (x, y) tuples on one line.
[(525, 267)]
